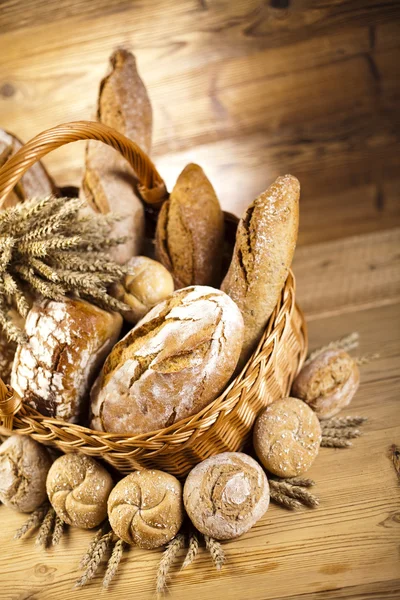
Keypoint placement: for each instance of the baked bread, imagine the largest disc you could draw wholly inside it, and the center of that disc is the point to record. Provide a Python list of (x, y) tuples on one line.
[(78, 488), (328, 382), (226, 494), (173, 363), (265, 243), (190, 230), (24, 465), (146, 509), (287, 437), (67, 344), (109, 182), (146, 283), (35, 183)]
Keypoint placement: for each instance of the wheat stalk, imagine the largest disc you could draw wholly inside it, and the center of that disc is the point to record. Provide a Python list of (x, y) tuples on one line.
[(46, 528), (348, 342), (339, 422), (57, 531), (113, 563), (96, 558), (193, 548), (335, 442), (89, 552), (216, 552), (167, 560), (35, 520)]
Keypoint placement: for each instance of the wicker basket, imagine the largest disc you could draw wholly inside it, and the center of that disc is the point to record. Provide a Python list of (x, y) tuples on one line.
[(225, 424)]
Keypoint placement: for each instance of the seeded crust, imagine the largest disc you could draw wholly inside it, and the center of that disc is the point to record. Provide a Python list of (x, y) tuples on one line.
[(176, 360), (328, 383), (265, 243), (287, 437), (78, 488), (24, 465), (146, 509), (226, 494), (109, 183), (190, 231)]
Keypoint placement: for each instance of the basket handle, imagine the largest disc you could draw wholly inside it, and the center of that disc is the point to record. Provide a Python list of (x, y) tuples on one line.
[(151, 185)]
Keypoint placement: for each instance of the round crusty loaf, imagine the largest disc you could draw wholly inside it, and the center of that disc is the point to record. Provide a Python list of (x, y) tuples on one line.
[(328, 383), (171, 365), (78, 488), (190, 229), (287, 437), (145, 508), (226, 494), (24, 465), (265, 243), (146, 283)]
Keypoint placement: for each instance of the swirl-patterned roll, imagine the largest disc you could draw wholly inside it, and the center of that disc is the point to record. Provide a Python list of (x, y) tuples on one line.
[(226, 494)]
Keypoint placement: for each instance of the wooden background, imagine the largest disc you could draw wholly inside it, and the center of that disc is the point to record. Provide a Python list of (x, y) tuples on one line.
[(251, 90)]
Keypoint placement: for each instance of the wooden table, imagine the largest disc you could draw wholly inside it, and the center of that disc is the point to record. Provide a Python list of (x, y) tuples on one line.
[(251, 90)]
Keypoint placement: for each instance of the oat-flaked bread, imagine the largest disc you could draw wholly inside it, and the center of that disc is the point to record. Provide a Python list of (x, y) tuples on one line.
[(24, 465), (146, 508), (176, 360), (190, 230), (109, 183), (78, 488), (265, 243), (226, 494), (67, 344)]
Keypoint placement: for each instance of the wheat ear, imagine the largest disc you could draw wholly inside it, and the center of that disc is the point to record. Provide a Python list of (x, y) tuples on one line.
[(167, 560), (216, 552), (113, 563)]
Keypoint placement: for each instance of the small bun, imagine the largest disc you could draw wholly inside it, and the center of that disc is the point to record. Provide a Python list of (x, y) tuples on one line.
[(287, 437), (226, 494), (146, 283), (145, 508), (328, 383), (78, 488), (24, 465)]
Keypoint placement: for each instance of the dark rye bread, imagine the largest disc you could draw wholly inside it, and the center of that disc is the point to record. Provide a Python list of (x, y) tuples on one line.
[(109, 183), (176, 360), (190, 230), (265, 243)]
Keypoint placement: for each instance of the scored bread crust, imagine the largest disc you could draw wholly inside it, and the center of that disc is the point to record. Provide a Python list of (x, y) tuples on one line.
[(176, 360)]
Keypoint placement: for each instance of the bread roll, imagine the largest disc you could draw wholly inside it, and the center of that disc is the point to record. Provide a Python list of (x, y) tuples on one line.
[(287, 437), (265, 243), (226, 494), (78, 488), (171, 365), (190, 231), (328, 383), (146, 509), (67, 344), (146, 284), (109, 182), (24, 465)]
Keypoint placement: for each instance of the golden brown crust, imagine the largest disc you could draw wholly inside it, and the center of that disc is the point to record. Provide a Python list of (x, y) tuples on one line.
[(190, 230), (146, 509), (328, 383), (265, 243), (287, 437)]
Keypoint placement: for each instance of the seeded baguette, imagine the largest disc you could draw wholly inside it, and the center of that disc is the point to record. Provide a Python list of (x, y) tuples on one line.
[(265, 243)]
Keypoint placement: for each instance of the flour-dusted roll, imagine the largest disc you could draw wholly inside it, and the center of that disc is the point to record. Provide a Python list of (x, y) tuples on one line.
[(24, 465), (287, 437), (66, 346), (78, 488), (265, 243), (146, 508), (172, 364), (190, 230), (226, 494)]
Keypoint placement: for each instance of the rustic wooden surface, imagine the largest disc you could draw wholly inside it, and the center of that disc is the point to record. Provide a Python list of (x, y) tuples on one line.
[(250, 90)]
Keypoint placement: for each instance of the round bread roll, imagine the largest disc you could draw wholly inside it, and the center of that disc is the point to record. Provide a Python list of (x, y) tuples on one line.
[(146, 509), (287, 437), (24, 465), (78, 488), (226, 494), (328, 383), (171, 365), (146, 284)]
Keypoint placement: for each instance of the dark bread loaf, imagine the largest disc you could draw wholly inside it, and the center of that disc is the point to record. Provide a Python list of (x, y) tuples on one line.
[(265, 243), (67, 344), (190, 230), (176, 360), (109, 183)]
